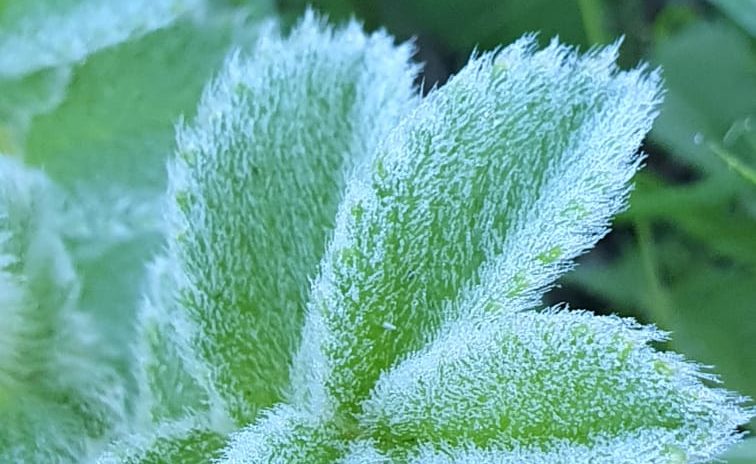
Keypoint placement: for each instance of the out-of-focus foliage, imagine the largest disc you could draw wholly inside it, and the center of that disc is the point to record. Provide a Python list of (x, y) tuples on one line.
[(743, 453), (90, 91), (742, 12)]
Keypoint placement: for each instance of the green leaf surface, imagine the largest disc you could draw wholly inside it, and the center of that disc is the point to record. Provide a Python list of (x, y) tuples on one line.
[(547, 377), (255, 186), (742, 453), (187, 441), (397, 244), (115, 125), (106, 144), (39, 34), (418, 346), (708, 307), (56, 384), (23, 98)]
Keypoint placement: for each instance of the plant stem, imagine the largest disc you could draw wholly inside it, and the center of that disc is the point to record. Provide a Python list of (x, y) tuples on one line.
[(734, 163)]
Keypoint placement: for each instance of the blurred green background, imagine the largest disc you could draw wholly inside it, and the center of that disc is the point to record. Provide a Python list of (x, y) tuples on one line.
[(684, 255)]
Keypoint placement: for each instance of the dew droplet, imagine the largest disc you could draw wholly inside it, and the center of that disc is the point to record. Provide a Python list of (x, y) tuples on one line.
[(698, 138)]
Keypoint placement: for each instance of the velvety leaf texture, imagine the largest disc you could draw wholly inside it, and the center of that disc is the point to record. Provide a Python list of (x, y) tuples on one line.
[(255, 187), (350, 273), (73, 235), (422, 342), (185, 441), (520, 141)]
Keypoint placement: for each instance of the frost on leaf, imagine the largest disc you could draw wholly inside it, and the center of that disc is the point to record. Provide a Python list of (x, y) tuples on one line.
[(173, 381), (185, 441), (105, 144), (422, 342), (284, 434), (557, 381), (255, 186), (475, 204), (58, 396), (179, 416)]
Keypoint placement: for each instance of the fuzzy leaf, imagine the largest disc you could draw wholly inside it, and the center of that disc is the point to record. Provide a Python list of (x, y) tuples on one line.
[(179, 415), (632, 448), (284, 434), (541, 380), (115, 126), (173, 382), (106, 145), (187, 441), (685, 306), (417, 346), (23, 98), (255, 187), (475, 203), (58, 396)]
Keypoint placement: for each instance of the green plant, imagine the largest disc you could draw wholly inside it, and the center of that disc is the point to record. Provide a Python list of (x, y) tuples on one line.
[(350, 273)]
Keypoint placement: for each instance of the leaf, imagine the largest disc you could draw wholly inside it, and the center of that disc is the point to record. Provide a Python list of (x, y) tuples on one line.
[(56, 385), (456, 217), (106, 145), (743, 453), (285, 434), (116, 117), (187, 441), (417, 346), (742, 12), (696, 284), (630, 448), (115, 125), (708, 304), (707, 96), (39, 34), (557, 382), (117, 183), (255, 185), (23, 98), (173, 382)]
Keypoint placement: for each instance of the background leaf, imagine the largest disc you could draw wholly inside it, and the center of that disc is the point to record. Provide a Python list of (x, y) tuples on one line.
[(743, 453), (742, 12), (107, 143)]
